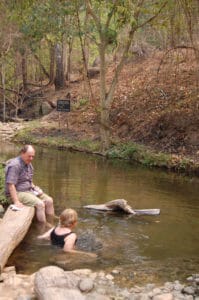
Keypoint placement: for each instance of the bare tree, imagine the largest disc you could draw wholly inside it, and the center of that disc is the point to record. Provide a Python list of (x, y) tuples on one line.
[(133, 21)]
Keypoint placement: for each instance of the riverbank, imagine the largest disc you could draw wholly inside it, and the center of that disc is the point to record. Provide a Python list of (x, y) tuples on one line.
[(118, 277), (87, 285), (47, 134), (154, 117)]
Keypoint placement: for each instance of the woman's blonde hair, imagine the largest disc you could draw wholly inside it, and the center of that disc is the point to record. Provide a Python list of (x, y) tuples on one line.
[(68, 217)]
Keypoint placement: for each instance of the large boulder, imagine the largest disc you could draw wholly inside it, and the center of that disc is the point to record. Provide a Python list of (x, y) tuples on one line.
[(46, 108)]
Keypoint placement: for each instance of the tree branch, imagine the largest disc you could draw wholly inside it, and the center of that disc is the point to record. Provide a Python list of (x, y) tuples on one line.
[(95, 17), (41, 65), (12, 91), (110, 14), (154, 16), (119, 66)]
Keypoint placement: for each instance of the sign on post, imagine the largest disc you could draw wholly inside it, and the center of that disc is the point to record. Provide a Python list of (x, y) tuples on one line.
[(63, 105)]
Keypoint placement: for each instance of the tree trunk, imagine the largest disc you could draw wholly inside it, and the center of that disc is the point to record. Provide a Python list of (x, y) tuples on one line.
[(70, 47), (24, 71), (3, 86), (41, 65), (59, 78), (107, 97), (52, 63), (88, 87), (64, 56), (13, 228), (104, 126)]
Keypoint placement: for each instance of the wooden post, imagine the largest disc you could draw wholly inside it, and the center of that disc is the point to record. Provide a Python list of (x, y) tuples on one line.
[(13, 228), (59, 121)]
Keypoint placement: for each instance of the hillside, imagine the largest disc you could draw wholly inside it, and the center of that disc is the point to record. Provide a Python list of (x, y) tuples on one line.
[(156, 104)]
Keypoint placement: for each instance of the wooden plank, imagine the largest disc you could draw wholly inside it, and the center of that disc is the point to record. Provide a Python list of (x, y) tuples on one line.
[(13, 228)]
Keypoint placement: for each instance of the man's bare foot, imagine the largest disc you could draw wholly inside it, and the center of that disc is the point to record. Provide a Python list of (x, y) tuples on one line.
[(52, 219), (48, 225)]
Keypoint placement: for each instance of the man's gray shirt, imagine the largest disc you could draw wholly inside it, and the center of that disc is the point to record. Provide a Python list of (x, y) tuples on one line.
[(19, 174)]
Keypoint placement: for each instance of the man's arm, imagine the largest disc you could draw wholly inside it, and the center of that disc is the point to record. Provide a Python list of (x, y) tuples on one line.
[(13, 195)]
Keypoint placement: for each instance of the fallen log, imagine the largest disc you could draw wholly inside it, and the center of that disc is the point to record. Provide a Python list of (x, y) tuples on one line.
[(13, 228), (122, 205)]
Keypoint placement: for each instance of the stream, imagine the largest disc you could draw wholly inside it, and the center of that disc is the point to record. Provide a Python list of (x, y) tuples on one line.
[(143, 248)]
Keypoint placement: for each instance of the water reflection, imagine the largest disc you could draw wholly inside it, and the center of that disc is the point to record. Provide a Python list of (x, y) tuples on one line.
[(148, 247)]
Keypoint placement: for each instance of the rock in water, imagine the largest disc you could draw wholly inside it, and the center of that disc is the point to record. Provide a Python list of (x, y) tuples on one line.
[(87, 241)]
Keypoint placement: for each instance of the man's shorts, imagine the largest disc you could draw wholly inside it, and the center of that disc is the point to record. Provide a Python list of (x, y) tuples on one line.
[(30, 199)]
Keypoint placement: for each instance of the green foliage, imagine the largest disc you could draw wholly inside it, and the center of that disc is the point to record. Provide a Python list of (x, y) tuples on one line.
[(139, 153), (81, 103), (28, 136), (2, 183), (126, 151)]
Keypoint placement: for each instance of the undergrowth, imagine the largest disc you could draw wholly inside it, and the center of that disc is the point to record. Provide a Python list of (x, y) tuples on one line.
[(3, 199), (128, 151)]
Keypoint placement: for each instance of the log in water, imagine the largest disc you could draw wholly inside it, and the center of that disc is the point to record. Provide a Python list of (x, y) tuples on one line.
[(122, 205), (13, 228)]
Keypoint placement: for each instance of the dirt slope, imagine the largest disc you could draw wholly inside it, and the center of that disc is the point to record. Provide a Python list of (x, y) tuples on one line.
[(156, 103)]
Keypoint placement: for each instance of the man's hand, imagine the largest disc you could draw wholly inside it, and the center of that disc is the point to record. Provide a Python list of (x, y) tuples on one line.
[(18, 204), (13, 194)]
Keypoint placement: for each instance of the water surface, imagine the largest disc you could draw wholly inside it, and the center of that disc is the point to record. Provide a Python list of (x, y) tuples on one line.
[(145, 248)]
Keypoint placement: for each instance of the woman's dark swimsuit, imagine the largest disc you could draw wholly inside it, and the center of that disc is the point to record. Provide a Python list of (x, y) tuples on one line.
[(58, 240)]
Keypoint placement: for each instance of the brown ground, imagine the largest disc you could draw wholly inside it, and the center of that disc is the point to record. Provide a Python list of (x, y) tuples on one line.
[(157, 109)]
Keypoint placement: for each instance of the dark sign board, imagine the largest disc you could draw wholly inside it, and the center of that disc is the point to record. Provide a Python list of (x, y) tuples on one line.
[(63, 105)]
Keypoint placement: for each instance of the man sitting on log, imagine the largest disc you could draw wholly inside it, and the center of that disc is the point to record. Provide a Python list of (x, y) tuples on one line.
[(20, 188)]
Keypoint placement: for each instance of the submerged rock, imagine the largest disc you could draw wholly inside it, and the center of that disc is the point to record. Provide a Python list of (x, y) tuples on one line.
[(87, 241)]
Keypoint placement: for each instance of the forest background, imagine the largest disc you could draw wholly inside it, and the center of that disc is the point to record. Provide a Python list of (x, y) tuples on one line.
[(129, 67)]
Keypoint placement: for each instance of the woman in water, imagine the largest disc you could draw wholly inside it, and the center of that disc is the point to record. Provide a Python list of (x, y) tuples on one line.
[(62, 235)]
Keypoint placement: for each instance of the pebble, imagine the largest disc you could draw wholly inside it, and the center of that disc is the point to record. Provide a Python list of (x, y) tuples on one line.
[(101, 274), (178, 287), (140, 296), (167, 296), (189, 290), (169, 286), (80, 272), (156, 291), (109, 277), (115, 272), (96, 296), (86, 285), (24, 297), (149, 287), (97, 286)]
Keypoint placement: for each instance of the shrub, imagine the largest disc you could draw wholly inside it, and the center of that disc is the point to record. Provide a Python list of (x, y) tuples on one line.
[(3, 199)]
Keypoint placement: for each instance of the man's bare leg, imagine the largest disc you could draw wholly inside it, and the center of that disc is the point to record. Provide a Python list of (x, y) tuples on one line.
[(50, 212), (40, 212), (49, 207)]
